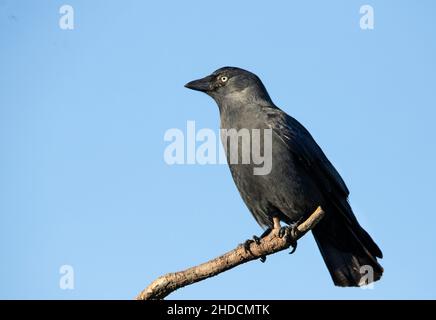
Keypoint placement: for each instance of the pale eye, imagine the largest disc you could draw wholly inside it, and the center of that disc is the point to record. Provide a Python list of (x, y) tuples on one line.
[(224, 79)]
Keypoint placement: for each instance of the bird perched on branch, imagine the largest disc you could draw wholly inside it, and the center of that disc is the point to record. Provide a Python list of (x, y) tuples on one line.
[(300, 179)]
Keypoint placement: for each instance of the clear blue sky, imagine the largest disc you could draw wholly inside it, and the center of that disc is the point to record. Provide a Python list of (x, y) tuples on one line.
[(82, 118)]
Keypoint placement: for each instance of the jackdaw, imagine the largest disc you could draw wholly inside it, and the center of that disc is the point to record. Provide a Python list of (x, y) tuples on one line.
[(300, 180)]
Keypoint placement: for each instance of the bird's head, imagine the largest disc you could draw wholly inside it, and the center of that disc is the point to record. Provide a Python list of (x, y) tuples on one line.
[(231, 84)]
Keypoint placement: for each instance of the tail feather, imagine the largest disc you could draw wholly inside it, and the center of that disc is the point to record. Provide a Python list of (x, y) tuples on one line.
[(350, 255)]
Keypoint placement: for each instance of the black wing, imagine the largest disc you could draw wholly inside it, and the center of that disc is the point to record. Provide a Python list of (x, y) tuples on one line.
[(306, 150), (301, 143)]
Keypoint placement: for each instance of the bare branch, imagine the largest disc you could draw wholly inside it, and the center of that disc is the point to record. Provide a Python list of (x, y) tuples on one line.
[(272, 243)]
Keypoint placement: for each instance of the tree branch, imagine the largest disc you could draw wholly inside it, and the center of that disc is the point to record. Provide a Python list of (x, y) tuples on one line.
[(272, 243)]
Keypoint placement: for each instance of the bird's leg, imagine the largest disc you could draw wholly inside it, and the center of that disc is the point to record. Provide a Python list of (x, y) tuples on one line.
[(276, 223), (281, 231)]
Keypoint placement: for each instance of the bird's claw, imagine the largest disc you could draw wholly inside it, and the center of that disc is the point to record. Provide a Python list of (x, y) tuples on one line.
[(256, 240), (294, 246), (247, 244), (293, 232), (282, 231)]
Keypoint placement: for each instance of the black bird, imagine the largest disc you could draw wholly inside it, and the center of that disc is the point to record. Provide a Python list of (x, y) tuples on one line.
[(300, 180)]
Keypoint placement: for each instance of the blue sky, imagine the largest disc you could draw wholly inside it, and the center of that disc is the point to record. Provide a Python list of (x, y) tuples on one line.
[(83, 113)]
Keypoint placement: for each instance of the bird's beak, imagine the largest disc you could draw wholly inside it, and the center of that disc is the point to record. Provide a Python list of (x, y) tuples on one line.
[(203, 85)]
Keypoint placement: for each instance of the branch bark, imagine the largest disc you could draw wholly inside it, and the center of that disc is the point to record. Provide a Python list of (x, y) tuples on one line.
[(272, 243)]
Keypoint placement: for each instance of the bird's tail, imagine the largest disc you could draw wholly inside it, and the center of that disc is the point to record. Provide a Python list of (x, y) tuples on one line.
[(349, 252)]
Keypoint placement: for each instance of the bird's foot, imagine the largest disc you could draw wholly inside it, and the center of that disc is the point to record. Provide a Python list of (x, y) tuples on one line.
[(293, 233), (282, 231), (256, 240), (247, 244)]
